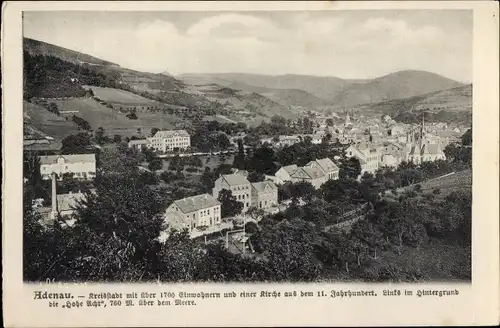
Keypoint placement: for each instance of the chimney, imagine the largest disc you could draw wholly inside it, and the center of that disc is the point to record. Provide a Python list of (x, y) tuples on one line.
[(53, 214)]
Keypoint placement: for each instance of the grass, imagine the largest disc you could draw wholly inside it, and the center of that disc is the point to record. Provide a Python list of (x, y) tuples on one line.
[(461, 180), (49, 123), (117, 96), (438, 260), (115, 122)]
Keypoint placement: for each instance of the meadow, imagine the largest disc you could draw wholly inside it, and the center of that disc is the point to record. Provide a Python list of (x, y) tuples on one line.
[(115, 122)]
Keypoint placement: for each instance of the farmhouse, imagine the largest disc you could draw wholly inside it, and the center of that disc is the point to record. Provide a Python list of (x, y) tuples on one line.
[(82, 166), (170, 140), (191, 212)]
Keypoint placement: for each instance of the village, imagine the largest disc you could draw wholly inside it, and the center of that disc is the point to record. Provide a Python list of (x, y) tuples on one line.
[(373, 142)]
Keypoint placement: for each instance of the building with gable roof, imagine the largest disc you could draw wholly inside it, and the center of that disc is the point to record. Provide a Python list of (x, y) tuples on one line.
[(264, 195), (312, 174), (328, 166), (284, 174), (82, 166), (191, 212), (170, 140), (239, 186), (368, 155)]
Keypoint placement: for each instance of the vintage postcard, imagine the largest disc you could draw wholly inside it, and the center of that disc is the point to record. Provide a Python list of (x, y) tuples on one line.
[(250, 163)]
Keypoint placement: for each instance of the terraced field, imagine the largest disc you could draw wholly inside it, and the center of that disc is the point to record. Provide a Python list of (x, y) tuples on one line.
[(115, 122), (117, 96)]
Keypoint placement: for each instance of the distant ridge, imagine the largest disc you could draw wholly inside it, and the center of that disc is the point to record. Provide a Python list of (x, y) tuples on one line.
[(332, 90)]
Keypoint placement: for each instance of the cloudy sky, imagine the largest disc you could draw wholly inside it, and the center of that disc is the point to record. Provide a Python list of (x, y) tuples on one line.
[(346, 44)]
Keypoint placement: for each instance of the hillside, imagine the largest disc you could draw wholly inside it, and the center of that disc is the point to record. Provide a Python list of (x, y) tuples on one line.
[(397, 85), (35, 47), (450, 105), (316, 91), (324, 88), (237, 102), (285, 97)]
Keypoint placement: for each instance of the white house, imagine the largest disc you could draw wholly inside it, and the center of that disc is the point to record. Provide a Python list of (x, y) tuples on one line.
[(284, 174), (170, 140), (264, 195), (139, 144), (369, 156), (82, 166), (191, 212)]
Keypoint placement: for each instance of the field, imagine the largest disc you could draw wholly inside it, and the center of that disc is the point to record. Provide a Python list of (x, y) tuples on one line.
[(115, 122), (116, 96), (461, 180), (49, 123)]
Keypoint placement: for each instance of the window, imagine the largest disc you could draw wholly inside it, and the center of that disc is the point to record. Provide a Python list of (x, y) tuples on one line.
[(208, 212), (247, 205)]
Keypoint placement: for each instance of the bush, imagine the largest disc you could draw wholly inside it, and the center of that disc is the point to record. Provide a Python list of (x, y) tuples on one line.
[(436, 191), (191, 169)]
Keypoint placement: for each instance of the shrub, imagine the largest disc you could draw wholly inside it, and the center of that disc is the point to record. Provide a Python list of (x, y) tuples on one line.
[(436, 191)]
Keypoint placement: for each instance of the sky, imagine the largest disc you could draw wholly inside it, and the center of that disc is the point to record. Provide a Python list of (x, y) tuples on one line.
[(355, 44)]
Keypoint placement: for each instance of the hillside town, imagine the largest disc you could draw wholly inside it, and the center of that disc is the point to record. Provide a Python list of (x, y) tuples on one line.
[(136, 176)]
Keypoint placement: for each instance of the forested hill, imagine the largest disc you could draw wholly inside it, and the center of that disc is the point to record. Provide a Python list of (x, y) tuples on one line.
[(36, 47)]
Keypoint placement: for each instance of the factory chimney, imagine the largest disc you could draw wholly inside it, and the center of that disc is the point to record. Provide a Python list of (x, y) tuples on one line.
[(53, 213)]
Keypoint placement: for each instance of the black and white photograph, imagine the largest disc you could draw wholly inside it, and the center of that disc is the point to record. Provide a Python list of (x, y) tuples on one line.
[(271, 146)]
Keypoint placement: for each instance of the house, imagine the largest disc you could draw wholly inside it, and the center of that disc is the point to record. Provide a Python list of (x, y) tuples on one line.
[(328, 166), (264, 195), (139, 144), (82, 166), (289, 140), (368, 155), (66, 203), (239, 186), (312, 174), (170, 140), (284, 174), (191, 212)]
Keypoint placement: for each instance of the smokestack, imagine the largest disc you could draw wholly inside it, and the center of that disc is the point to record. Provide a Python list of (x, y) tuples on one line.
[(54, 197)]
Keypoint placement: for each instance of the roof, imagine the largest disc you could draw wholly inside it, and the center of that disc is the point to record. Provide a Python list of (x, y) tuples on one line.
[(138, 142), (325, 163), (235, 179), (79, 158), (313, 172), (195, 203), (67, 202), (432, 149), (261, 186), (171, 134), (290, 168)]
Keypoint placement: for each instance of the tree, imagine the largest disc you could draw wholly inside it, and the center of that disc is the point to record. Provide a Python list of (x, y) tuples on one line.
[(99, 136), (117, 138), (53, 108), (350, 168), (229, 205), (263, 160), (76, 144), (467, 138), (304, 190), (254, 176), (153, 131), (329, 122), (155, 164)]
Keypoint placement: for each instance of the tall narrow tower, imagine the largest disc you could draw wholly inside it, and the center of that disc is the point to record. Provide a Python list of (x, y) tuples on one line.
[(53, 213)]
